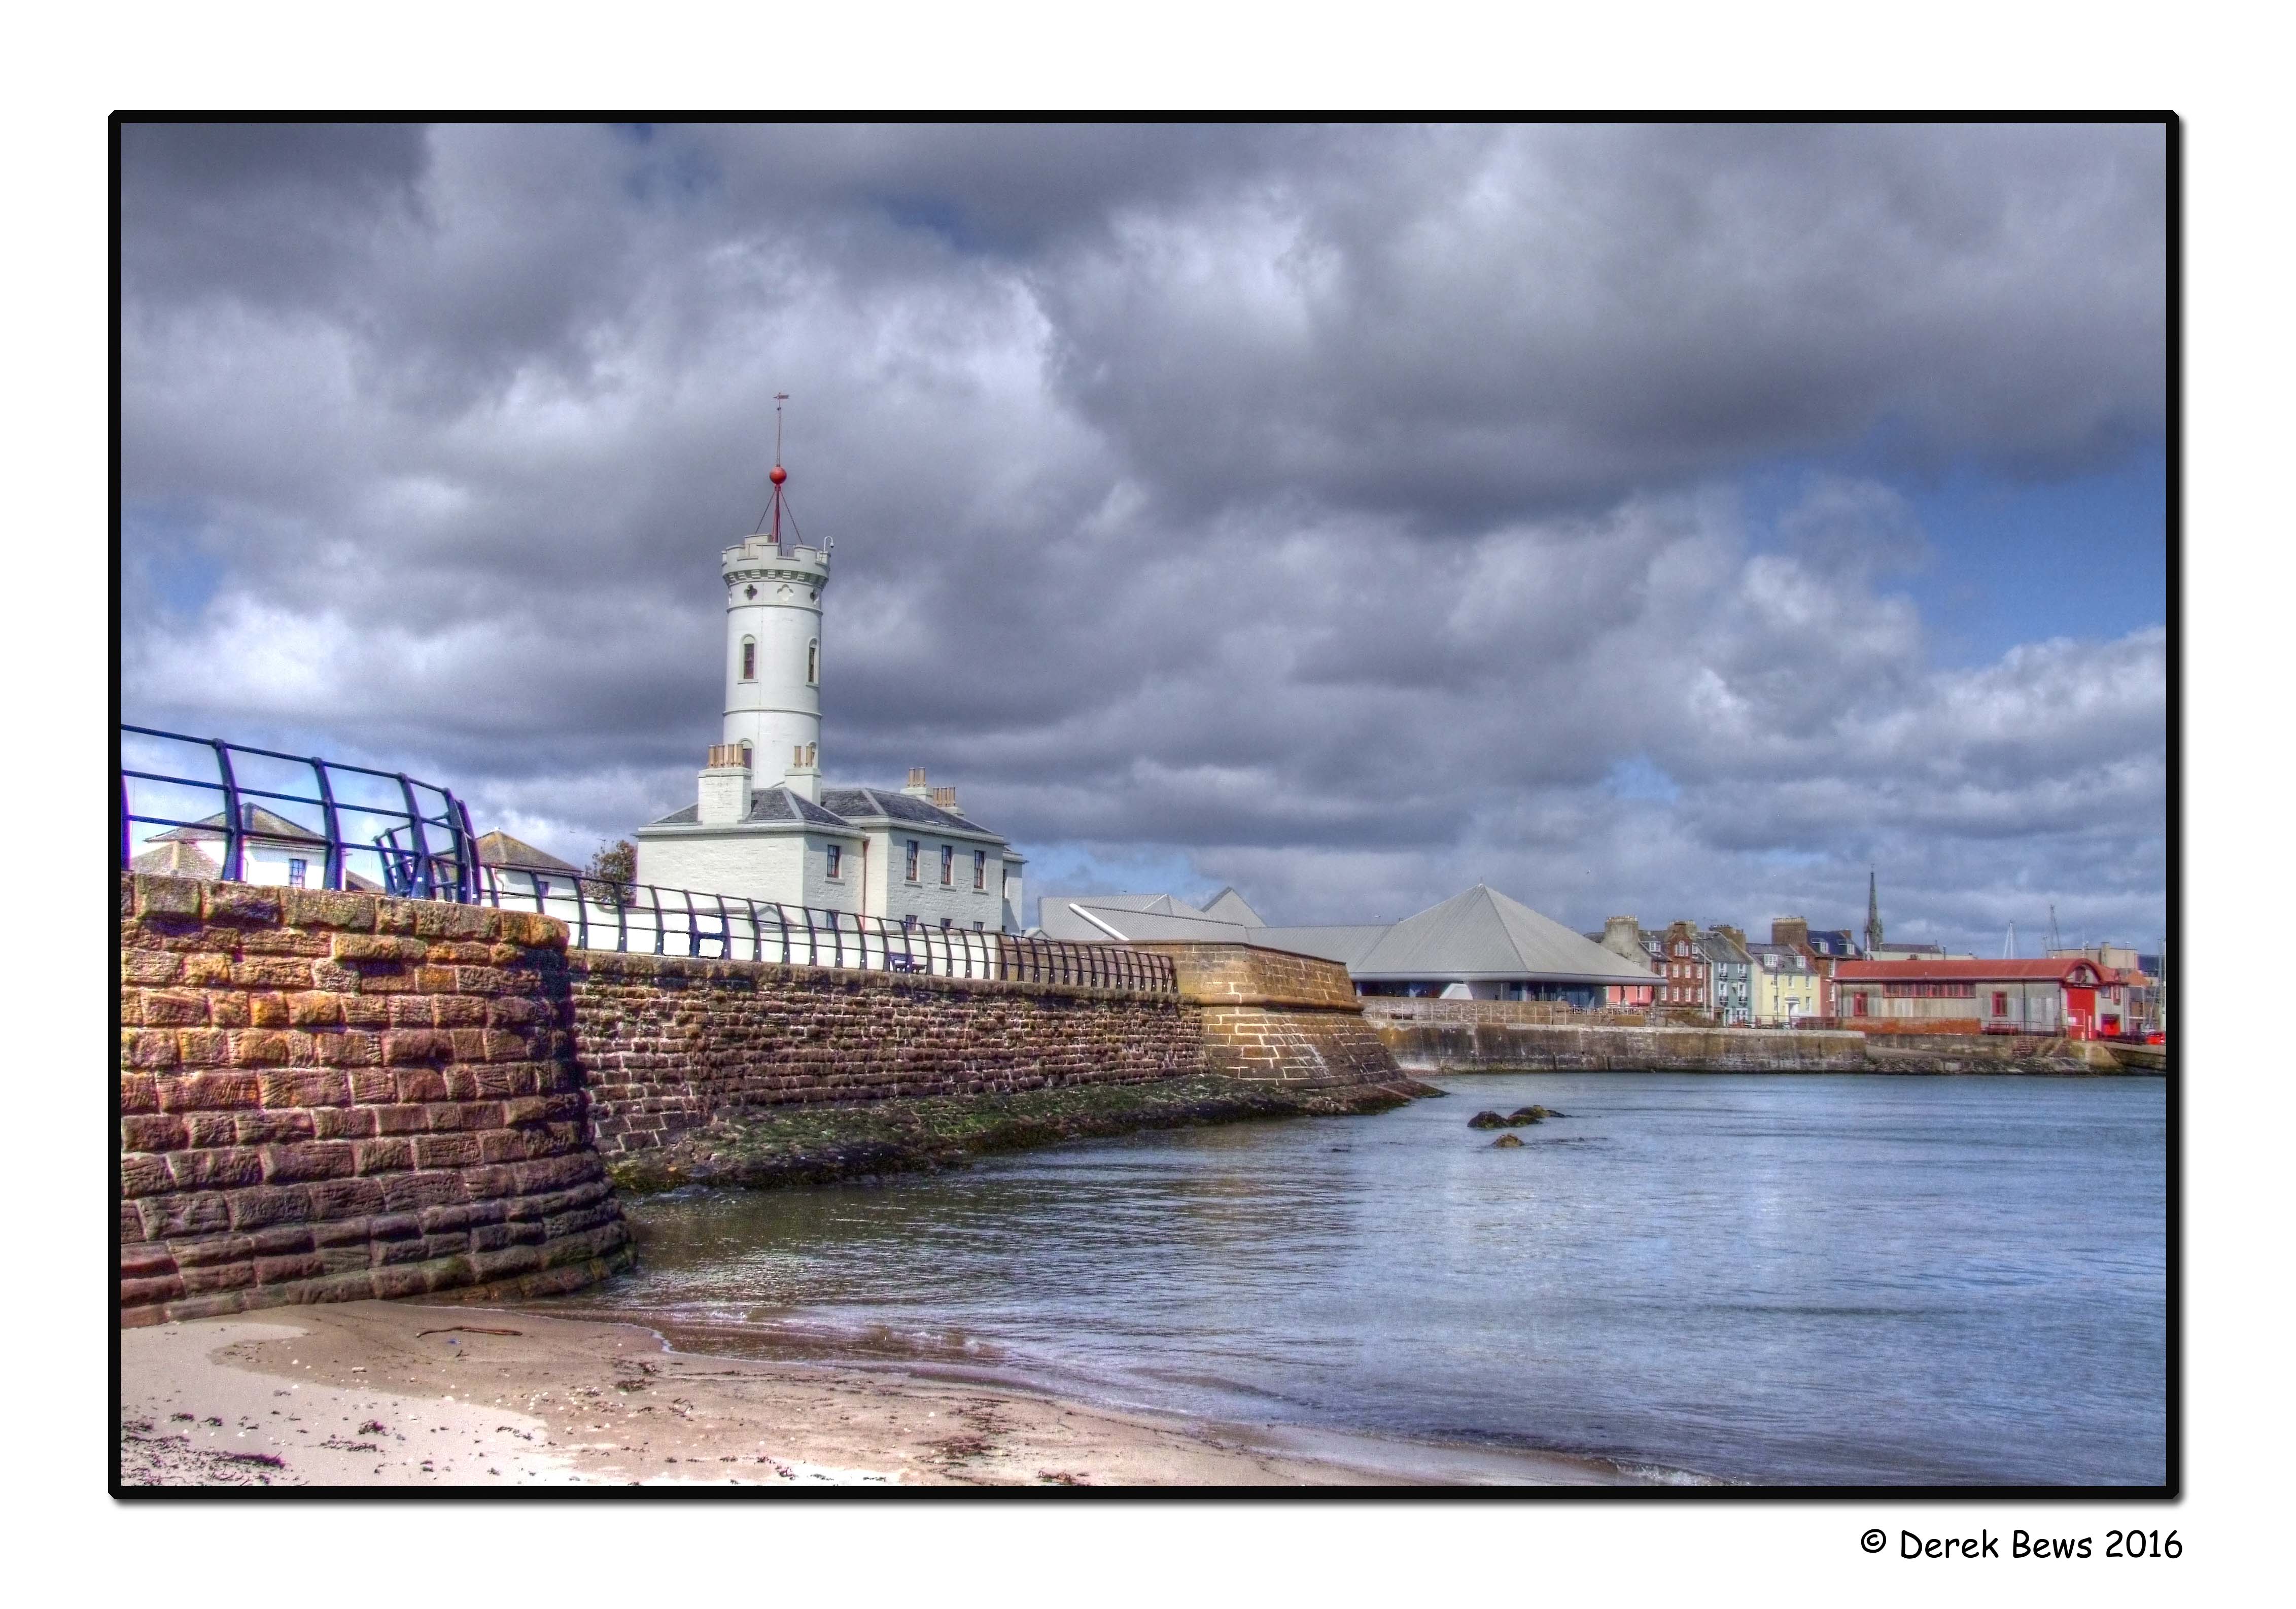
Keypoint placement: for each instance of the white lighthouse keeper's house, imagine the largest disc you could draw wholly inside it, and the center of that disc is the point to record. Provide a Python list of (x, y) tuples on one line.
[(764, 828)]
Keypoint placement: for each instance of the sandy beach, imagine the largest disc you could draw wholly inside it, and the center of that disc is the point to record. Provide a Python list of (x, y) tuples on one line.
[(374, 1394)]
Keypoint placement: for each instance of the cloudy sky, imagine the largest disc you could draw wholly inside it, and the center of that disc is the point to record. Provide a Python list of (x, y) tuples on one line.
[(1673, 520)]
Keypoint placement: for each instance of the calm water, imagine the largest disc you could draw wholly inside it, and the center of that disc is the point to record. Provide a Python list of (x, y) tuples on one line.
[(1796, 1279)]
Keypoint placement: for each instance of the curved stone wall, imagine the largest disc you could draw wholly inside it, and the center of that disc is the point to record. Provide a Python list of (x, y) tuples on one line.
[(326, 1097)]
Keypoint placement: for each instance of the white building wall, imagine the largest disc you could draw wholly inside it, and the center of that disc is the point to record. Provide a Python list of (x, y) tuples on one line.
[(926, 899), (749, 863)]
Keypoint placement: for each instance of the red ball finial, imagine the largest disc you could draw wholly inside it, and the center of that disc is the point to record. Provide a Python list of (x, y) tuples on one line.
[(779, 474)]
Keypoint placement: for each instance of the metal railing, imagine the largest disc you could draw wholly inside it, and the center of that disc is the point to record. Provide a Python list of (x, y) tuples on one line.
[(202, 807), (641, 918), (273, 817)]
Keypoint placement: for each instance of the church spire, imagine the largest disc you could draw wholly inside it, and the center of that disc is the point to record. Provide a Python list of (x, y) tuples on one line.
[(1873, 912)]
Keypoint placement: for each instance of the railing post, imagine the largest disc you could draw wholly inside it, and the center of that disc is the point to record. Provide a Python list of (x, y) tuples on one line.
[(233, 864), (422, 850), (332, 877)]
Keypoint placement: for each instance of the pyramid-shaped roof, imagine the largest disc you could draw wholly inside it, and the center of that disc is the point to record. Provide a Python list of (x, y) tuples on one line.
[(1483, 934), (1228, 905)]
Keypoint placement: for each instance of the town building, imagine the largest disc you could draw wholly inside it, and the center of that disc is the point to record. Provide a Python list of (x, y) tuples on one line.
[(1687, 976), (763, 827), (2072, 996), (1479, 944), (1787, 985), (518, 870), (1729, 970), (272, 850)]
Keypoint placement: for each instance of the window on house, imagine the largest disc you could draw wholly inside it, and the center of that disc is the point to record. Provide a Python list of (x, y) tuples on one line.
[(295, 873), (945, 924), (749, 659), (2000, 1003), (836, 860), (913, 860), (1858, 1006), (980, 870), (975, 927), (541, 888), (813, 662), (948, 867)]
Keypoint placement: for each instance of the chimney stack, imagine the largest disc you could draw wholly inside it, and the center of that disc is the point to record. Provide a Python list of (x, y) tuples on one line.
[(916, 788), (945, 798), (1792, 932), (725, 786), (804, 775)]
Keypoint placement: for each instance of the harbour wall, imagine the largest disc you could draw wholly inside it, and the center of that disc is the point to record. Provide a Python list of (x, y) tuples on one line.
[(330, 1096), (1272, 1016), (668, 1044), (1473, 1036)]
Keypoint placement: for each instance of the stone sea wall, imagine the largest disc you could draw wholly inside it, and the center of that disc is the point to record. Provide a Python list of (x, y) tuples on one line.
[(330, 1096), (669, 1044), (1272, 1016), (1421, 1046), (326, 1096)]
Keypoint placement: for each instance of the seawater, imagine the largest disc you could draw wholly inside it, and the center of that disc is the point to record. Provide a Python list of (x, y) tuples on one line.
[(1772, 1279)]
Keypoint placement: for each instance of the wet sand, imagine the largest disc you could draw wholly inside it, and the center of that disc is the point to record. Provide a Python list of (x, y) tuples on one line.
[(372, 1394)]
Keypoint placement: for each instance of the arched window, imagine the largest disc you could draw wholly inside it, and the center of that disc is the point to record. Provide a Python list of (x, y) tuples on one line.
[(749, 659), (813, 663)]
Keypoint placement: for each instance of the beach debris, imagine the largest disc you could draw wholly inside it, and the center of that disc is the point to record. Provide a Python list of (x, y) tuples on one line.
[(1064, 1477), (1507, 1142), (467, 1329)]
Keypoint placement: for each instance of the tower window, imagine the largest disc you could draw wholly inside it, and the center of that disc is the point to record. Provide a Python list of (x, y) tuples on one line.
[(947, 864), (913, 860), (836, 859), (980, 870), (813, 663), (749, 659)]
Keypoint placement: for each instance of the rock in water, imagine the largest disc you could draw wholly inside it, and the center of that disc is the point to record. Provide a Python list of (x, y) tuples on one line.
[(1507, 1142), (1524, 1114), (1487, 1119)]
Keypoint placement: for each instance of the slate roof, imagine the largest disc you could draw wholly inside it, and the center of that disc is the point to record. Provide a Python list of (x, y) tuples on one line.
[(499, 849), (254, 820), (1483, 934), (842, 809), (177, 858)]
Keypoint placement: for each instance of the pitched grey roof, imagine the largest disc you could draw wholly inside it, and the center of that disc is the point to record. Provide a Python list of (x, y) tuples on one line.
[(1228, 905), (1095, 919), (253, 819), (873, 804), (1345, 944), (1483, 933), (178, 857), (499, 849)]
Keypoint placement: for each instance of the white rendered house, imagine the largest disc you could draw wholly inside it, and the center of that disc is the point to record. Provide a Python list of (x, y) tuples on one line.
[(763, 828)]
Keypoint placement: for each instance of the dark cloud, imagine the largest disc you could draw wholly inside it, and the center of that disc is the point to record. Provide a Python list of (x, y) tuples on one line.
[(1339, 509)]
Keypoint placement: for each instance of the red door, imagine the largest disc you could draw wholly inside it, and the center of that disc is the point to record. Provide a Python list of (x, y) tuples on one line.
[(2080, 1012)]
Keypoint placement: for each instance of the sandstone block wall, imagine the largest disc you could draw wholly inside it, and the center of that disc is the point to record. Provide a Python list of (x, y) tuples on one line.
[(326, 1097), (1269, 1014), (670, 1043)]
